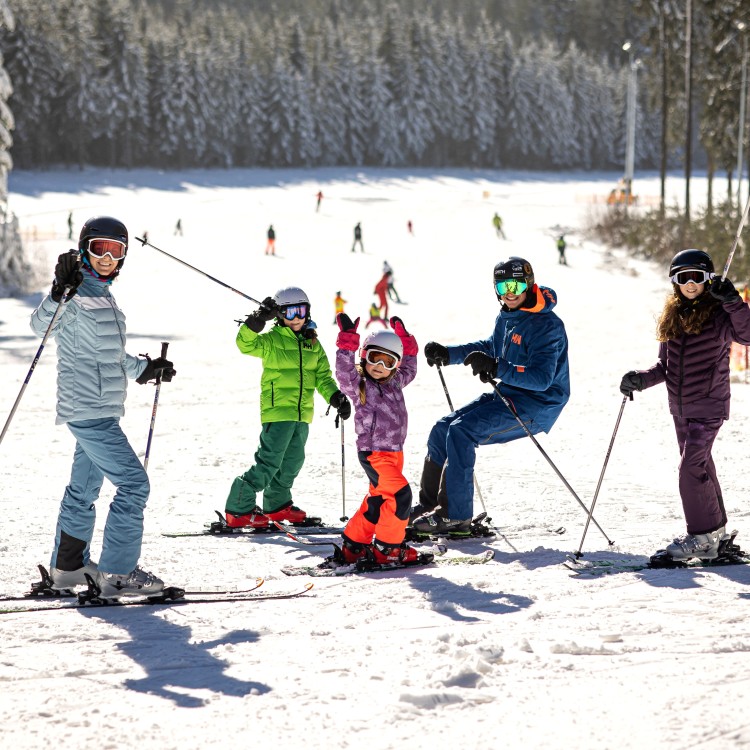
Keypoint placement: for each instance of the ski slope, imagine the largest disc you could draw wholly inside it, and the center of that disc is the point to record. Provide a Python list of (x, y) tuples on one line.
[(515, 653)]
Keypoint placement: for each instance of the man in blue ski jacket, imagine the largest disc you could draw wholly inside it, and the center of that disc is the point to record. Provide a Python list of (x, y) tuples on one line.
[(528, 353)]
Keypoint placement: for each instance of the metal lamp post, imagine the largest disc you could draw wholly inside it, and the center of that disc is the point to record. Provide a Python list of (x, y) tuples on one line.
[(630, 120), (741, 27)]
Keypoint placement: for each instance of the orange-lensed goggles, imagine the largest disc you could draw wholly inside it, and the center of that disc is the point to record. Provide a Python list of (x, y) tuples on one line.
[(377, 357), (99, 247)]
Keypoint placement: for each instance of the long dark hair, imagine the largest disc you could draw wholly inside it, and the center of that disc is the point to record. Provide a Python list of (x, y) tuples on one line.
[(681, 315)]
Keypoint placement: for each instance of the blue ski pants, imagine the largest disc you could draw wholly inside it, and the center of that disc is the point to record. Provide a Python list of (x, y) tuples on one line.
[(102, 450), (453, 441)]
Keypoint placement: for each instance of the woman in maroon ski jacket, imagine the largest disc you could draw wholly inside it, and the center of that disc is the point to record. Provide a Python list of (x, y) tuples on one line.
[(701, 318)]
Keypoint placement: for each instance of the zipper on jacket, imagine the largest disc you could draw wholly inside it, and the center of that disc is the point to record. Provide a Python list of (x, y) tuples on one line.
[(681, 376), (299, 399)]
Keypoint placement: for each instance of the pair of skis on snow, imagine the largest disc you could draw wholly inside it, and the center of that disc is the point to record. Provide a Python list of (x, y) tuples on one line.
[(44, 597), (729, 553)]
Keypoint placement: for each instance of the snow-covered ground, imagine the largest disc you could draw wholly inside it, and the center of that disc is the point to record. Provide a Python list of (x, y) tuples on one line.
[(515, 653)]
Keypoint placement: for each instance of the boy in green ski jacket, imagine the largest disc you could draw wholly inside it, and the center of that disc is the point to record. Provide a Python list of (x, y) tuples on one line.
[(294, 367)]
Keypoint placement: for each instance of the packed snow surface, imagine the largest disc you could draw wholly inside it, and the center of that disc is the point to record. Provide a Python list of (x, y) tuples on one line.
[(516, 653)]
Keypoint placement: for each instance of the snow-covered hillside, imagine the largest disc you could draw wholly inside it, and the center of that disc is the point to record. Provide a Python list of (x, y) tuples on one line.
[(515, 653)]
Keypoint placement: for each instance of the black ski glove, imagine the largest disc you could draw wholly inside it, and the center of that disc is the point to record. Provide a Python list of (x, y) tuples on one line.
[(268, 310), (483, 365), (67, 273), (157, 368), (723, 290), (436, 354), (631, 381), (342, 405)]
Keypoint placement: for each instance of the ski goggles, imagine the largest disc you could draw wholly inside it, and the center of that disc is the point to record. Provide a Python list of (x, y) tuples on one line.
[(99, 247), (690, 274), (290, 312), (510, 286), (378, 357)]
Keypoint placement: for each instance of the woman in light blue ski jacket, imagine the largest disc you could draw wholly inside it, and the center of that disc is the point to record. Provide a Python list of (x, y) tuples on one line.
[(92, 373)]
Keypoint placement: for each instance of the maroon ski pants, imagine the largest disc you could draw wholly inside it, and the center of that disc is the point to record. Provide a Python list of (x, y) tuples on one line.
[(699, 487)]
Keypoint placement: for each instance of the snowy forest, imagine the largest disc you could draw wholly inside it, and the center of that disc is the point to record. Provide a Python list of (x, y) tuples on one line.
[(178, 84)]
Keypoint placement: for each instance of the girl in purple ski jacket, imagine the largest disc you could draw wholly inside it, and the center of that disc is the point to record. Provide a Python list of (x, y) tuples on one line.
[(701, 317)]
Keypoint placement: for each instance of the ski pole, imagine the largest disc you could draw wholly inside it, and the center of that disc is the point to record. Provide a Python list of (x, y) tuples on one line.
[(39, 351), (601, 476), (344, 517), (144, 241), (164, 345), (736, 238), (450, 404), (544, 453)]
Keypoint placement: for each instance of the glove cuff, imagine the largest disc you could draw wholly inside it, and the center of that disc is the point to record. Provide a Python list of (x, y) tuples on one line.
[(348, 341), (411, 348)]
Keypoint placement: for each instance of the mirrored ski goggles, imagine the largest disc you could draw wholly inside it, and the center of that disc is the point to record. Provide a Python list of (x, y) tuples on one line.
[(690, 274), (291, 312), (99, 247), (510, 286), (377, 357)]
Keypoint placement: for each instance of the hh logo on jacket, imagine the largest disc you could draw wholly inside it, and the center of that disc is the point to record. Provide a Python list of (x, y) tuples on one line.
[(516, 339)]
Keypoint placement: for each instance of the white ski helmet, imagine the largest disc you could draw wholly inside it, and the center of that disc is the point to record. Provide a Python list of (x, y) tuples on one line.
[(386, 341), (290, 295)]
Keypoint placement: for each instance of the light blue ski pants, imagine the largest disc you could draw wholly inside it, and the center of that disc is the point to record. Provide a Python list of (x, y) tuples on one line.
[(102, 450)]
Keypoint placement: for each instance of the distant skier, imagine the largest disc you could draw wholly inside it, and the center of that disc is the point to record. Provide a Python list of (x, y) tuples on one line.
[(70, 225), (410, 227), (392, 293), (381, 290), (561, 245), (338, 304), (178, 227), (375, 316), (358, 237), (271, 246), (497, 222), (319, 196)]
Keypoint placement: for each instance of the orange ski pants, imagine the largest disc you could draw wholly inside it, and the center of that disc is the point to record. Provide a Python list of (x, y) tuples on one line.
[(384, 512)]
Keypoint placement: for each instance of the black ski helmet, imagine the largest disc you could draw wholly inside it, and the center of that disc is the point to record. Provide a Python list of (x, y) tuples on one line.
[(103, 227), (514, 268), (691, 259)]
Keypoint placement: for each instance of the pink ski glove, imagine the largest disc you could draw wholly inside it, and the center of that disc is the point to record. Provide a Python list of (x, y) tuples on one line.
[(348, 338), (410, 343)]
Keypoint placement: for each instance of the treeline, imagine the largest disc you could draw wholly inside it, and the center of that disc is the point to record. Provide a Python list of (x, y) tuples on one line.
[(199, 83)]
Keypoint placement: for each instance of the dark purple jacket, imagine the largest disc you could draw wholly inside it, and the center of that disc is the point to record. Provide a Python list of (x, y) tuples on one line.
[(695, 367), (380, 422)]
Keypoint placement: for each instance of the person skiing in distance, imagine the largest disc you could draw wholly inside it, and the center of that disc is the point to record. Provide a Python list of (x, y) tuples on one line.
[(497, 222), (375, 316), (528, 352), (178, 227), (410, 227), (381, 292), (319, 197), (387, 364), (338, 305), (358, 237), (93, 370), (561, 245), (294, 367), (271, 245), (702, 315), (391, 288)]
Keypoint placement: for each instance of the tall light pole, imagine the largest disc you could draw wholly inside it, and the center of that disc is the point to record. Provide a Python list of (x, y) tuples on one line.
[(741, 27), (630, 120)]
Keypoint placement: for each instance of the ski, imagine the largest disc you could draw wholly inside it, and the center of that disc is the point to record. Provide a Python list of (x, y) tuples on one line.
[(480, 529), (729, 554), (171, 596), (220, 528), (426, 558), (45, 590)]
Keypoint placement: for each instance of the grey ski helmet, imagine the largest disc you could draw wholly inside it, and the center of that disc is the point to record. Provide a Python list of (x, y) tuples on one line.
[(385, 341), (292, 295)]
